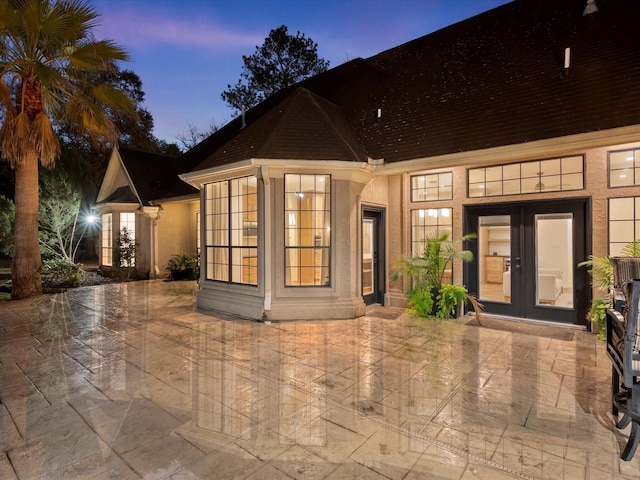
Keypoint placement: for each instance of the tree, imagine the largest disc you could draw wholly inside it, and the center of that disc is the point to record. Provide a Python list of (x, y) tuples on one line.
[(48, 62), (7, 221), (58, 219), (281, 61), (194, 136)]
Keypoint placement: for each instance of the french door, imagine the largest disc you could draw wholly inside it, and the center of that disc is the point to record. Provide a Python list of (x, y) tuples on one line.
[(526, 258), (372, 261)]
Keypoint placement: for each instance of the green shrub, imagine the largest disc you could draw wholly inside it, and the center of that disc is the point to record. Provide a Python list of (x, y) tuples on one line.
[(598, 315), (183, 266), (421, 301), (449, 297), (62, 270)]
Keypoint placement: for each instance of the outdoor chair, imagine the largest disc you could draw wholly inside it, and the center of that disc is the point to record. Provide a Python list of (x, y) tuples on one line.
[(623, 348)]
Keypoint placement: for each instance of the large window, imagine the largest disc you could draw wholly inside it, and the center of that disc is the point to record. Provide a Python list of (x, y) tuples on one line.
[(307, 229), (426, 223), (198, 232), (553, 175), (437, 186), (624, 223), (624, 168), (231, 231), (106, 256), (128, 221)]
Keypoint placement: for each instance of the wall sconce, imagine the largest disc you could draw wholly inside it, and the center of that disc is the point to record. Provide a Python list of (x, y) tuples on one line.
[(591, 7)]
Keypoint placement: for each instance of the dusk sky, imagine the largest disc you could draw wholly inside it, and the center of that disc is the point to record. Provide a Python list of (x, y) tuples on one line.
[(187, 52)]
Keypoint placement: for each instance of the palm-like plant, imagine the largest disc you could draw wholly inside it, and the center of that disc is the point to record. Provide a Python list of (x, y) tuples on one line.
[(430, 268), (49, 63), (428, 292)]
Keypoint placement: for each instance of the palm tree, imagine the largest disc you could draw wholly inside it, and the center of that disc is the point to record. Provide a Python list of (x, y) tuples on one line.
[(49, 62)]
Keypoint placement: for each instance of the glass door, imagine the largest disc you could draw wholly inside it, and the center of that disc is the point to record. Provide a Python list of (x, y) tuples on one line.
[(368, 249), (526, 257), (372, 258)]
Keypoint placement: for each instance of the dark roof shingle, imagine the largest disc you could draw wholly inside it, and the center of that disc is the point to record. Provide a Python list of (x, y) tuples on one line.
[(492, 80)]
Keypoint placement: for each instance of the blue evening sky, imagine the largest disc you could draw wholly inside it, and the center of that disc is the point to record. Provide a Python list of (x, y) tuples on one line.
[(187, 52)]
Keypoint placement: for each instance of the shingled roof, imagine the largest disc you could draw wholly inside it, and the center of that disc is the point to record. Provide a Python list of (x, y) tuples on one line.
[(155, 176), (492, 80)]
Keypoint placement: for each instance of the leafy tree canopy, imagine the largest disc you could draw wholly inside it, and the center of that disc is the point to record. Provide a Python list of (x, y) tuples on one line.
[(281, 61), (49, 61)]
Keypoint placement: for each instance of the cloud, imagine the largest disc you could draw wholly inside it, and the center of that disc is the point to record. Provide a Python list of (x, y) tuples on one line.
[(143, 29)]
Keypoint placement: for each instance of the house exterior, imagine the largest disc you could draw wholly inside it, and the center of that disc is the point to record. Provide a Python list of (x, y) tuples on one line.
[(142, 192), (521, 125)]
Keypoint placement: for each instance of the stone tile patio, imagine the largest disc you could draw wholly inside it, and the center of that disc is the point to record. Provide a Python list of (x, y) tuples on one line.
[(128, 381)]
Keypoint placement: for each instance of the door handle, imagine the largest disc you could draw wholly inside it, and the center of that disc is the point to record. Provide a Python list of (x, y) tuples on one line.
[(517, 263)]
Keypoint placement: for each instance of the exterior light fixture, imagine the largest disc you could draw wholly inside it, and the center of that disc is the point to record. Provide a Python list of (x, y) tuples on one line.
[(591, 7)]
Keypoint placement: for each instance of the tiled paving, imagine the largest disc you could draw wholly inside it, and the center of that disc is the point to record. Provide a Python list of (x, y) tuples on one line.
[(128, 381)]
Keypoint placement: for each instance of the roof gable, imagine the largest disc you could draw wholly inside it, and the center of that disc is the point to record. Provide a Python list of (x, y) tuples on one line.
[(150, 176), (116, 179)]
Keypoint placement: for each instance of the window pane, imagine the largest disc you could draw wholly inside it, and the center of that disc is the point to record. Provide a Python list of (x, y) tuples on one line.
[(550, 183), (621, 231), (511, 187), (107, 239), (572, 181), (476, 175), (493, 188), (427, 223), (231, 222), (530, 185), (530, 169), (550, 167), (493, 174), (621, 208), (620, 178), (307, 227), (511, 172), (572, 165), (620, 160)]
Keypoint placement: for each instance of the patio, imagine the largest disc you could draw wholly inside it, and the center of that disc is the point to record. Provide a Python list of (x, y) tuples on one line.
[(128, 381)]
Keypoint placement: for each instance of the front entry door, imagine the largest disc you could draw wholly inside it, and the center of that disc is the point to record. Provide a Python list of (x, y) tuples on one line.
[(372, 273), (526, 259)]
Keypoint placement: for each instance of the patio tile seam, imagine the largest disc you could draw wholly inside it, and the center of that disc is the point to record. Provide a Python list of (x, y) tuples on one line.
[(381, 421)]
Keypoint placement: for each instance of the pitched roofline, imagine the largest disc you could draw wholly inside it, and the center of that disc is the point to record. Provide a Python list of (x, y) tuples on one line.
[(546, 148), (109, 177)]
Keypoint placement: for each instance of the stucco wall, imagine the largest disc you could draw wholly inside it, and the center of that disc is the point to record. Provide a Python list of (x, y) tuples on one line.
[(596, 187), (176, 231)]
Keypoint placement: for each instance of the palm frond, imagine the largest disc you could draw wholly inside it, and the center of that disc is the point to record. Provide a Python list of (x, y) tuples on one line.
[(631, 249), (44, 138)]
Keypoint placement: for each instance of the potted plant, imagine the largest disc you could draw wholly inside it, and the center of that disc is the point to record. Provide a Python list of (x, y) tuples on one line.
[(427, 291), (601, 271)]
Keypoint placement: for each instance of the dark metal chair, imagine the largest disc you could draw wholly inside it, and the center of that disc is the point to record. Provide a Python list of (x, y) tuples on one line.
[(623, 348)]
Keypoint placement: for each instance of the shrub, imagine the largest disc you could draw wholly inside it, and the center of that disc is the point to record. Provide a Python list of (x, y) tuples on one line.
[(63, 270), (421, 301), (183, 266), (449, 297)]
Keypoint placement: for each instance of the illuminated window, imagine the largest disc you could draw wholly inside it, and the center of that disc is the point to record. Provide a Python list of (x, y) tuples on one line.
[(231, 231), (427, 223), (128, 221), (307, 225), (624, 223), (198, 232), (553, 175), (437, 186), (107, 240), (624, 168)]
